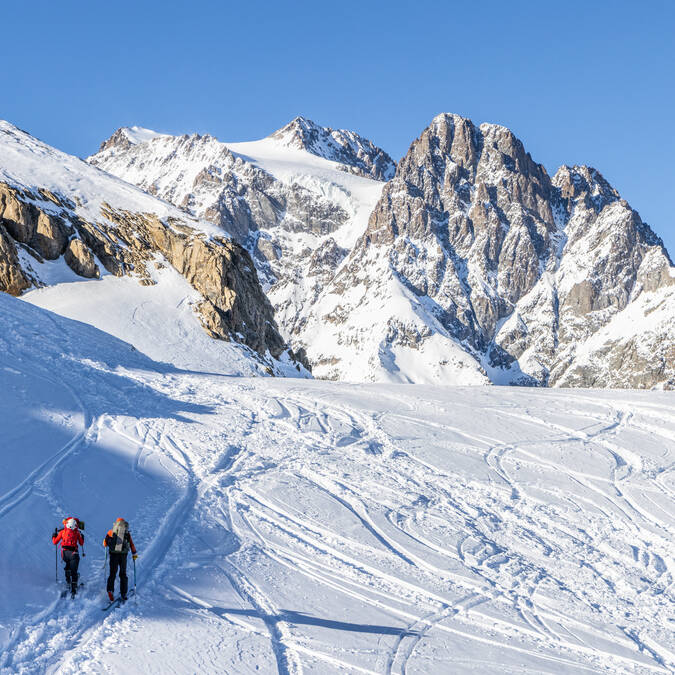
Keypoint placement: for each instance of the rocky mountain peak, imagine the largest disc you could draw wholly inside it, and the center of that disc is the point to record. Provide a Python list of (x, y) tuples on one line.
[(584, 182), (125, 137), (358, 154), (518, 268)]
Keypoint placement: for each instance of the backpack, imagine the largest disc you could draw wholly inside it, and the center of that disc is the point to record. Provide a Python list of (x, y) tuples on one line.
[(120, 537), (80, 523)]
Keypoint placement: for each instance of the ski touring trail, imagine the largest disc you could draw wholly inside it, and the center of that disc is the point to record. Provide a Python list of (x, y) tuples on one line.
[(296, 526)]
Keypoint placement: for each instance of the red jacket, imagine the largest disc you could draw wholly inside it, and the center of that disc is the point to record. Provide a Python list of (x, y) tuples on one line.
[(69, 539)]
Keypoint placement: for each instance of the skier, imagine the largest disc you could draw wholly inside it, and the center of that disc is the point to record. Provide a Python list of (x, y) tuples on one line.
[(119, 542), (70, 536)]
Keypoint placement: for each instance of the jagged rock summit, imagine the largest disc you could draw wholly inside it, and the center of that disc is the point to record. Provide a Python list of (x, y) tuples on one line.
[(62, 220), (471, 265), (355, 152), (523, 271)]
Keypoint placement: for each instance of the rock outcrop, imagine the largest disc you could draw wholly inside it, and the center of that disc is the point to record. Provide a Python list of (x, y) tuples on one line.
[(13, 280), (126, 243)]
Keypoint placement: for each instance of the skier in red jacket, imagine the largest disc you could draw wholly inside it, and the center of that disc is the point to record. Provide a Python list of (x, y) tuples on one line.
[(70, 536)]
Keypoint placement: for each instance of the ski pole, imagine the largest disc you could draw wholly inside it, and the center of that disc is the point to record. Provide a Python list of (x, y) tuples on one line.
[(56, 564), (105, 562), (134, 559)]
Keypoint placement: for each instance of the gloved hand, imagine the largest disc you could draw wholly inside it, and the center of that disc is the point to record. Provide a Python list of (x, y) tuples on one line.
[(56, 532), (134, 556)]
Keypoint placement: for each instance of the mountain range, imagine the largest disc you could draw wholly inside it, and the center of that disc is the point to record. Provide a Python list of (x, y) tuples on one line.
[(465, 263)]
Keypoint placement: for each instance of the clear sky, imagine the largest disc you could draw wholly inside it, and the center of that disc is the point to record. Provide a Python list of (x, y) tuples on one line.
[(578, 81)]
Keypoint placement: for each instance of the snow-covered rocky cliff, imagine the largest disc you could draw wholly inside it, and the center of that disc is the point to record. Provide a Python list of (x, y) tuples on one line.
[(543, 281), (470, 265)]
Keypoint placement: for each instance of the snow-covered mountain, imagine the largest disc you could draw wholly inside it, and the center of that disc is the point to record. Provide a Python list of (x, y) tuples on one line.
[(356, 153), (299, 214), (79, 240), (548, 282), (300, 526), (473, 266)]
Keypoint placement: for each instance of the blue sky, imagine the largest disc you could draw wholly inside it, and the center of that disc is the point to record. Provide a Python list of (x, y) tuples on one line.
[(578, 82)]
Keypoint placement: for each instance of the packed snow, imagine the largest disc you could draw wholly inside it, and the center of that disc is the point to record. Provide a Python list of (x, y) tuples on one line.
[(299, 526)]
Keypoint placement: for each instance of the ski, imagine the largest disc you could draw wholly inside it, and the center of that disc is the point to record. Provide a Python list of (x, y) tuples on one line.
[(117, 602), (67, 591)]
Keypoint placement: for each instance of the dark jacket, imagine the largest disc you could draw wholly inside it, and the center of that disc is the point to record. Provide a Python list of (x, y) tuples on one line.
[(110, 540)]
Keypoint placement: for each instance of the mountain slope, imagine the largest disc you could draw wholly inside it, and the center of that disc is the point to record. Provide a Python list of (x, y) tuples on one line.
[(304, 526), (63, 221)]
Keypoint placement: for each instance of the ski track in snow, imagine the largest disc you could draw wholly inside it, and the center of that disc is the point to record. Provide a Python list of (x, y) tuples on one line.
[(300, 527)]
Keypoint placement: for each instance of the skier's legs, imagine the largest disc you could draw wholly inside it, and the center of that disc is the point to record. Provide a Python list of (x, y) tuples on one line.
[(124, 580), (72, 562), (65, 556), (74, 576), (114, 563)]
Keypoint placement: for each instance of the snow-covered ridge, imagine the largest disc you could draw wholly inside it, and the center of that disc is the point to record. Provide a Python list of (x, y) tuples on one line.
[(92, 238), (339, 145), (26, 162)]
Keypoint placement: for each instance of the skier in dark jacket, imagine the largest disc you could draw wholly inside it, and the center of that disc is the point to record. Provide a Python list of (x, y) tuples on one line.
[(119, 543), (70, 536)]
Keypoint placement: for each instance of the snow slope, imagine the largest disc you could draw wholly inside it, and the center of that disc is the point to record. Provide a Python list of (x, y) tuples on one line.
[(158, 320), (356, 194), (299, 526)]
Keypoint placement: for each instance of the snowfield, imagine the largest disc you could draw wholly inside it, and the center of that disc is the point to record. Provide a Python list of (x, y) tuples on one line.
[(299, 526)]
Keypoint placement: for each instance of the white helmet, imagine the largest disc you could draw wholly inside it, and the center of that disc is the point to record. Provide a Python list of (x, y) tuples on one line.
[(71, 524)]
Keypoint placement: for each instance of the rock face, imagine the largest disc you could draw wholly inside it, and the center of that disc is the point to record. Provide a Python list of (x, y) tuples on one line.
[(521, 269), (473, 265), (80, 259), (38, 224), (13, 280), (468, 220)]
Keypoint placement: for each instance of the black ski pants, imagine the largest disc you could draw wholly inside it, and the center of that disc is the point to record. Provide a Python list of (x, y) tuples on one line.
[(118, 561), (72, 562)]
